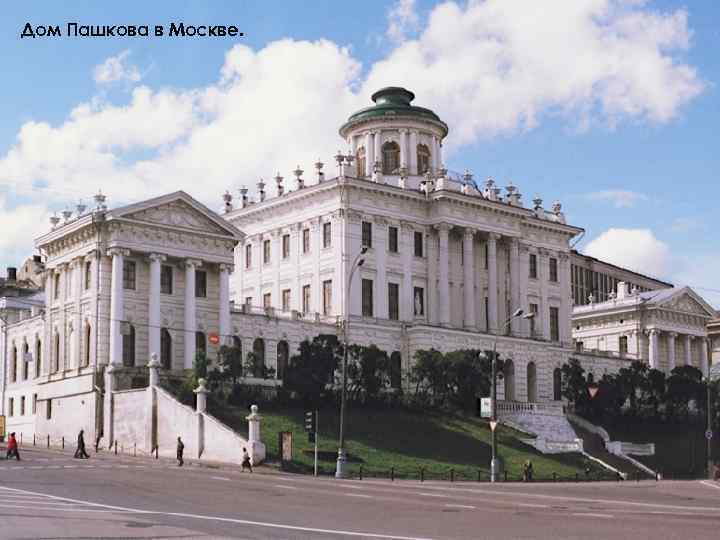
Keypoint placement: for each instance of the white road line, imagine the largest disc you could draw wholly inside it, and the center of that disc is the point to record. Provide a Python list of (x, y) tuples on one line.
[(361, 495), (70, 466), (60, 509), (434, 495), (588, 514), (710, 484), (224, 519), (284, 486), (220, 478), (530, 505), (466, 506)]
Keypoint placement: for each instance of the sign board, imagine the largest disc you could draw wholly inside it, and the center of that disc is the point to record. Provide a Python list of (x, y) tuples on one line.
[(213, 338), (485, 407), (2, 427), (493, 424), (593, 390), (286, 450), (709, 434)]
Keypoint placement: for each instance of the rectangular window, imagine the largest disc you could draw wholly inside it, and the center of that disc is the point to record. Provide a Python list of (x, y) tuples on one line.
[(553, 269), (11, 407), (327, 234), (266, 251), (34, 404), (88, 275), (286, 300), (267, 300), (554, 324), (285, 246), (624, 344), (419, 301), (393, 301), (486, 256), (418, 236), (248, 256), (56, 286), (393, 239), (533, 320), (22, 406), (533, 266), (306, 299), (367, 234), (248, 301), (48, 409), (327, 296), (487, 314), (166, 279), (129, 275), (367, 297), (579, 346), (200, 284), (306, 240)]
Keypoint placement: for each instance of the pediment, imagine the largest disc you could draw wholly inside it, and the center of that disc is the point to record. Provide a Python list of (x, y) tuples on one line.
[(178, 211), (686, 303)]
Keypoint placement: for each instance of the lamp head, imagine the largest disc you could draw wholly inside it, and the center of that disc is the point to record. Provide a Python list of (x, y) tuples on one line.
[(518, 312), (529, 315), (363, 250), (361, 262)]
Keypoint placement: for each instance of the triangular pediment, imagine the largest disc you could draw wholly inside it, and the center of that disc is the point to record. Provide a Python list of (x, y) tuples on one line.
[(179, 211), (687, 301)]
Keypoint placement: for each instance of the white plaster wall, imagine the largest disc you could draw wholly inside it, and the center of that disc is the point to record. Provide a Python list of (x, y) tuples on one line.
[(220, 442), (130, 409), (175, 419)]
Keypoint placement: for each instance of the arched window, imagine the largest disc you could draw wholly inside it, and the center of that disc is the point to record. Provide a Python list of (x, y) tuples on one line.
[(165, 349), (129, 346), (13, 371), (25, 361), (69, 348), (590, 378), (361, 160), (509, 372), (237, 351), (531, 382), (88, 336), (200, 343), (56, 352), (38, 357), (390, 158), (283, 352), (423, 159), (395, 370), (557, 384), (258, 357)]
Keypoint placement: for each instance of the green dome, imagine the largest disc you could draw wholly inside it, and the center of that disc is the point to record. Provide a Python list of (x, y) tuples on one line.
[(390, 102)]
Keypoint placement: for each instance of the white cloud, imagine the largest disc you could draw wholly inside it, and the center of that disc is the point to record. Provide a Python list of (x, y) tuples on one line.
[(402, 20), (619, 198), (19, 225), (634, 249), (488, 68), (116, 68), (700, 272), (685, 224)]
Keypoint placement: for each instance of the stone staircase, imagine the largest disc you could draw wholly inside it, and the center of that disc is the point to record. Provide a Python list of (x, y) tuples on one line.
[(553, 433)]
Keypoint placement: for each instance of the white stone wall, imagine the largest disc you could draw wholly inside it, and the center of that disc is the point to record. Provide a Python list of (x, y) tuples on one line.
[(131, 414)]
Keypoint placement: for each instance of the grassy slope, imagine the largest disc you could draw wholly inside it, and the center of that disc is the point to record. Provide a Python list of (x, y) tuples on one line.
[(680, 449), (380, 439)]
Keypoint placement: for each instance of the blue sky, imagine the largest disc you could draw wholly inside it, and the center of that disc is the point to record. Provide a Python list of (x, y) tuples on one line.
[(609, 106)]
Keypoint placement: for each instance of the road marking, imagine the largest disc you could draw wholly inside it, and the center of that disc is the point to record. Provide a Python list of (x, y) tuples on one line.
[(466, 506), (588, 514), (710, 484), (60, 509), (223, 519), (284, 486), (434, 495), (70, 466), (361, 495), (531, 505), (220, 478)]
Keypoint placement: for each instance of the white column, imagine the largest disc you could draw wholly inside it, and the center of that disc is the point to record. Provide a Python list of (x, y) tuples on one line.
[(688, 350), (117, 304), (403, 148), (544, 308), (443, 274), (369, 153), (514, 260), (492, 282), (412, 162), (469, 277), (431, 306), (190, 316), (653, 348), (380, 251), (439, 152), (276, 294), (565, 298), (79, 331), (671, 350), (224, 297), (704, 367), (316, 246), (523, 271), (378, 149), (154, 304), (296, 293), (407, 302)]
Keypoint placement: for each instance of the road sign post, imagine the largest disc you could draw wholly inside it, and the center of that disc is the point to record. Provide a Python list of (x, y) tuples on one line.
[(311, 426)]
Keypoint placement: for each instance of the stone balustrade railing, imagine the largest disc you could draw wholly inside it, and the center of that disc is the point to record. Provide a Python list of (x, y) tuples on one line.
[(521, 407)]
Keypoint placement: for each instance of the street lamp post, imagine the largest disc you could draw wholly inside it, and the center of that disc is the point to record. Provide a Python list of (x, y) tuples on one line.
[(713, 375), (340, 468), (494, 462)]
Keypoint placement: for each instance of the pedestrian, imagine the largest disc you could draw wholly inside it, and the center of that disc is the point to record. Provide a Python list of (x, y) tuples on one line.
[(246, 460), (12, 447), (180, 450), (80, 451), (529, 467), (716, 472)]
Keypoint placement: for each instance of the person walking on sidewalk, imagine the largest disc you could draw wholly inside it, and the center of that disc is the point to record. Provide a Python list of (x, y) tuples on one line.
[(80, 451), (246, 461), (180, 450), (12, 447)]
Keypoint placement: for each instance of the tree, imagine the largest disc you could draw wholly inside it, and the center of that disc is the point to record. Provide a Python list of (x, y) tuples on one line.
[(575, 385), (430, 374), (683, 386), (368, 371), (632, 382), (311, 370), (231, 362)]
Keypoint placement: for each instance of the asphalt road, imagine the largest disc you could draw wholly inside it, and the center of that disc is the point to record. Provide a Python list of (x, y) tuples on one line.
[(50, 495)]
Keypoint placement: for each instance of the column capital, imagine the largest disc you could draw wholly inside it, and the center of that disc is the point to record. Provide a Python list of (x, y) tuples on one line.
[(469, 232), (672, 334), (406, 225), (111, 252), (442, 227), (157, 257), (690, 337), (192, 263), (563, 256), (224, 267), (543, 252), (494, 236), (652, 332)]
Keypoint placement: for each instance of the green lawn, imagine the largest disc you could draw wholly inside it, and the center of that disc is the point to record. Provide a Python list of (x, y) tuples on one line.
[(379, 439), (680, 449)]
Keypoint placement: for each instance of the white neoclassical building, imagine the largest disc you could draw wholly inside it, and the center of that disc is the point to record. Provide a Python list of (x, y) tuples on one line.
[(445, 264)]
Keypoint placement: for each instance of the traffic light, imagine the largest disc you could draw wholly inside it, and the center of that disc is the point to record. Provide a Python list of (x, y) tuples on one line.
[(310, 422), (311, 437)]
